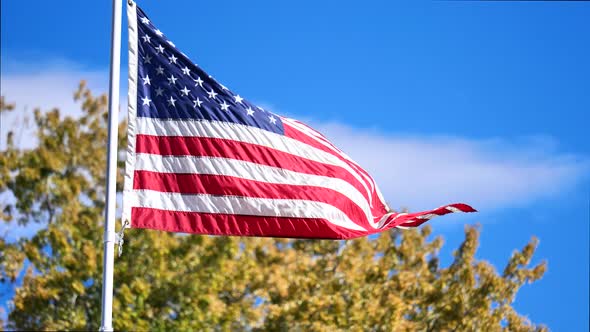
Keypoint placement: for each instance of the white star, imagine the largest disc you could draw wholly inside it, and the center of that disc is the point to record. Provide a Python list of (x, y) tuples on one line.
[(171, 43), (159, 91), (146, 101), (197, 102), (145, 20), (185, 91), (146, 39), (172, 80), (159, 33), (146, 80), (186, 71), (160, 49), (260, 108), (223, 87), (198, 81), (250, 111), (147, 59), (212, 94), (238, 99), (172, 58), (160, 70), (272, 119), (171, 101), (225, 106)]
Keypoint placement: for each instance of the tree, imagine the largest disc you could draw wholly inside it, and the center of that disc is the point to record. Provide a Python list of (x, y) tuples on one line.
[(166, 281)]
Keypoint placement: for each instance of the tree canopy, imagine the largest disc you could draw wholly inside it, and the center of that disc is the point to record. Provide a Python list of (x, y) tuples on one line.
[(173, 282)]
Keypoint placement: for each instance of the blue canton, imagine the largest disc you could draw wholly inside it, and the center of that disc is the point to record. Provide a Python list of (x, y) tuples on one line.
[(170, 86)]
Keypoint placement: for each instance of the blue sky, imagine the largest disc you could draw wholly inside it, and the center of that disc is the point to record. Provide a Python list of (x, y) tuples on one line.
[(486, 103)]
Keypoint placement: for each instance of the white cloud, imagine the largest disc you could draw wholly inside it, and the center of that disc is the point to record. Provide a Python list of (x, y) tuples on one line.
[(414, 172), (426, 172), (46, 85)]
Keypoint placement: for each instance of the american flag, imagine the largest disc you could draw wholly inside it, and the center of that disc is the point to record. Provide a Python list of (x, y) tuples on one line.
[(203, 159)]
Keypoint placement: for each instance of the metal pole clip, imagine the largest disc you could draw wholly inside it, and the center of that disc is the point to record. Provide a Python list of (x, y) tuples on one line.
[(120, 235)]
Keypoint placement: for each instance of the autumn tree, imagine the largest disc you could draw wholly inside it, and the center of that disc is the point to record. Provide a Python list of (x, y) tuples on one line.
[(172, 282)]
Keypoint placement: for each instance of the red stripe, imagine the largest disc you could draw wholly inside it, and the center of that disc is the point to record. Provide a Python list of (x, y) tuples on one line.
[(225, 224), (216, 147), (233, 186)]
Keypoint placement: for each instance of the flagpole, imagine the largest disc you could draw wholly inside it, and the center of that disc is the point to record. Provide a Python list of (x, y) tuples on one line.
[(111, 179)]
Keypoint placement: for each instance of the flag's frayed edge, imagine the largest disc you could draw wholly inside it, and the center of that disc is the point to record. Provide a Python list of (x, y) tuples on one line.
[(408, 220)]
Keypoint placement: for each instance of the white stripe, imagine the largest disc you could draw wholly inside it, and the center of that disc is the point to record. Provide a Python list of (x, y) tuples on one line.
[(245, 206), (249, 171), (427, 216), (453, 209), (241, 133), (132, 108)]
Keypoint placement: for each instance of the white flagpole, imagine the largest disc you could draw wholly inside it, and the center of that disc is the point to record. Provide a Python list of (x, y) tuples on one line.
[(111, 187)]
